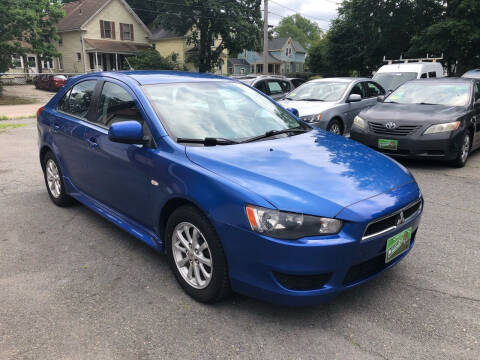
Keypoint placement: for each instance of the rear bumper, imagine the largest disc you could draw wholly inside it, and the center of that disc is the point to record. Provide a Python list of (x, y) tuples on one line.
[(442, 146)]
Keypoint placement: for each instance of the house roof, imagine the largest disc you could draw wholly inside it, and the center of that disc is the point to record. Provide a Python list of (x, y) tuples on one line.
[(160, 34), (278, 43), (114, 46), (234, 61), (80, 12)]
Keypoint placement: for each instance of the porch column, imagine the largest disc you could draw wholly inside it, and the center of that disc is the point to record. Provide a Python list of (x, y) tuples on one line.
[(116, 61), (96, 61)]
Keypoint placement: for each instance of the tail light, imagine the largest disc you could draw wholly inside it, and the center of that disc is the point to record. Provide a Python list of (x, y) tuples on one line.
[(39, 112)]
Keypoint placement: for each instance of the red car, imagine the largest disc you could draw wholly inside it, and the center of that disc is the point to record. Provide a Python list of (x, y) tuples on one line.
[(50, 82)]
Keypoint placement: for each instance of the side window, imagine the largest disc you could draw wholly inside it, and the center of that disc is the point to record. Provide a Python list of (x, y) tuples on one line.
[(477, 90), (424, 76), (358, 90), (373, 90), (80, 98), (286, 86), (432, 74), (261, 86), (275, 87), (115, 105)]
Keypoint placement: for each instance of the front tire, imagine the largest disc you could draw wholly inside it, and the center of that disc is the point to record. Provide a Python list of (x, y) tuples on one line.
[(54, 181), (463, 151), (196, 256), (335, 126)]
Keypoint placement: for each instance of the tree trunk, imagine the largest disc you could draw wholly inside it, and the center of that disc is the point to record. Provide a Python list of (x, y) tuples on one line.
[(203, 58)]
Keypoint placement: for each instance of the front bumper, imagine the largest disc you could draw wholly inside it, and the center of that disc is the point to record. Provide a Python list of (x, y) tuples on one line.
[(443, 146), (310, 270)]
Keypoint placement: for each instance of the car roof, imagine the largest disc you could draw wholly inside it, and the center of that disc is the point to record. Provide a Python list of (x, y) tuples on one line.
[(475, 73), (151, 77), (410, 67), (342, 79), (444, 80)]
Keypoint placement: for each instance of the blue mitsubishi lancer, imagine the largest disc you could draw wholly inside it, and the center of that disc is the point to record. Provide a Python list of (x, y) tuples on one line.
[(237, 192)]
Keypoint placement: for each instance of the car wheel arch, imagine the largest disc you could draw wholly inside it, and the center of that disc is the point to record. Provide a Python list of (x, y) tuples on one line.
[(44, 151), (342, 122)]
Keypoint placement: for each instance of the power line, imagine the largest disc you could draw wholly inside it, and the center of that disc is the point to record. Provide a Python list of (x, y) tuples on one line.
[(299, 12)]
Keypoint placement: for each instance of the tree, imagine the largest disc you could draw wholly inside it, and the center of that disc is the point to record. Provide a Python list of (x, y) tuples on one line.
[(150, 59), (38, 26), (144, 9), (297, 27), (235, 24), (456, 35)]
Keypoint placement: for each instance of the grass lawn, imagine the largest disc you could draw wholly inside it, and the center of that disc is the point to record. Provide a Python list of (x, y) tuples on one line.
[(10, 126), (16, 100)]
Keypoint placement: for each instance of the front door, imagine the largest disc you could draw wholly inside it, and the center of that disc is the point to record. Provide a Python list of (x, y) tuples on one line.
[(353, 108), (119, 173), (476, 115)]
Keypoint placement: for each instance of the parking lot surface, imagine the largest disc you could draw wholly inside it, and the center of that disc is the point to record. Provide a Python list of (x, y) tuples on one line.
[(74, 286)]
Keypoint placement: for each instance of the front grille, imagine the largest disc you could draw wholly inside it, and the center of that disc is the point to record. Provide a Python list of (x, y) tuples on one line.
[(402, 130), (302, 282), (392, 221)]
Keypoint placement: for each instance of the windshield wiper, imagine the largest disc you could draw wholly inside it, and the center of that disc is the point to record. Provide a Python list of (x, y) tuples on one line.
[(208, 141), (310, 99), (275, 132), (425, 103), (390, 102), (289, 98)]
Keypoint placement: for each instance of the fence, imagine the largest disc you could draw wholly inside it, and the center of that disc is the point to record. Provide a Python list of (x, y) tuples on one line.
[(26, 78)]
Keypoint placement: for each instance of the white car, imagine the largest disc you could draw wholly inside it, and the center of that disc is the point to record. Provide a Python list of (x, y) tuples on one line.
[(333, 103)]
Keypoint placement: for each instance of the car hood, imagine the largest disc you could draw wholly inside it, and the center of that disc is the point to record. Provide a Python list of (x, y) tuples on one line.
[(413, 113), (316, 173), (306, 108)]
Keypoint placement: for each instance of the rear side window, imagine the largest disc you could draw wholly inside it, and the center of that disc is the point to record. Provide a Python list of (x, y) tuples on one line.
[(373, 90), (432, 74), (477, 90), (424, 76), (261, 86), (286, 86), (77, 101), (116, 105), (297, 82), (275, 87)]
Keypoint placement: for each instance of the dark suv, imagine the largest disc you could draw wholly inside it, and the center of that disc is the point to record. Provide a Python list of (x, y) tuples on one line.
[(273, 85)]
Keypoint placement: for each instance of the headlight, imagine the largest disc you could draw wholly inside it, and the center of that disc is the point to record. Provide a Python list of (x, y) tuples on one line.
[(311, 118), (442, 128), (286, 225), (359, 122)]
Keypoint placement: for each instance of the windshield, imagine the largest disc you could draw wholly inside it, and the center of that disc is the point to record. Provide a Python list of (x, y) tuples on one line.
[(217, 109), (432, 92), (319, 91), (391, 81)]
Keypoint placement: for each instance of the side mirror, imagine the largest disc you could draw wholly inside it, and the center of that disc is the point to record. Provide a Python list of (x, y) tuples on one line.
[(354, 98), (127, 132), (293, 111), (380, 98)]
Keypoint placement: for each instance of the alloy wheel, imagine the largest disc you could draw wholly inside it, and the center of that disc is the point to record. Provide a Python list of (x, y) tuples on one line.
[(53, 179), (335, 128), (192, 255), (465, 148)]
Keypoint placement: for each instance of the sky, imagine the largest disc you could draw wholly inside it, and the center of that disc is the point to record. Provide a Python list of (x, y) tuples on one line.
[(320, 11)]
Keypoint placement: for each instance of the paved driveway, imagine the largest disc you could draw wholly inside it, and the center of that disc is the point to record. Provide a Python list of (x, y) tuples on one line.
[(74, 286)]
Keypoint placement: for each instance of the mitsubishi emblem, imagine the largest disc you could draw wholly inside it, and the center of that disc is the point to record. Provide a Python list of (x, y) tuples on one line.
[(401, 220)]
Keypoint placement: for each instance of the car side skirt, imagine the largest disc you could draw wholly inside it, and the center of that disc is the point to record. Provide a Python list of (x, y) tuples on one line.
[(126, 224)]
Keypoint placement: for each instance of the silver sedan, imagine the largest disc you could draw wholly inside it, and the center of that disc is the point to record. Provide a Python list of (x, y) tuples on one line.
[(333, 103)]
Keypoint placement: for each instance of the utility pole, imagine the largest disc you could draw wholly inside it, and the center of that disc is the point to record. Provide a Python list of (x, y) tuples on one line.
[(265, 36)]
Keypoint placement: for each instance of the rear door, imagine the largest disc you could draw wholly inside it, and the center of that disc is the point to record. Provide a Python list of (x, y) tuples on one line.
[(120, 174), (476, 113), (68, 130), (275, 89)]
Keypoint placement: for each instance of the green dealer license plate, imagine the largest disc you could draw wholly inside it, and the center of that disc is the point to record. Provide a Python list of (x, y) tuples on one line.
[(387, 144), (398, 244)]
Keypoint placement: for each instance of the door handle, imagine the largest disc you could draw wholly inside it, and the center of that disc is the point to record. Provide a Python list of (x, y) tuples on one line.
[(56, 128), (92, 143)]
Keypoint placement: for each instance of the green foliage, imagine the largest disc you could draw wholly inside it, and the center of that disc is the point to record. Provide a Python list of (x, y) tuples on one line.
[(306, 32), (236, 23), (144, 9), (151, 60)]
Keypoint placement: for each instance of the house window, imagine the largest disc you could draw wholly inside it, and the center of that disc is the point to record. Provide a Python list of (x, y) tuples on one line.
[(60, 41), (47, 64), (17, 61), (107, 29), (174, 57), (242, 71), (126, 31), (79, 57), (32, 61)]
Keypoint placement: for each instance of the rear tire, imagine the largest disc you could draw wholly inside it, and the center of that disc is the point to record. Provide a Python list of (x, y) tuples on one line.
[(463, 151), (335, 126), (196, 256), (54, 181)]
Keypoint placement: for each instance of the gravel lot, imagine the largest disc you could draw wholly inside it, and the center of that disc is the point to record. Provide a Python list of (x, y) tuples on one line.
[(73, 286)]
